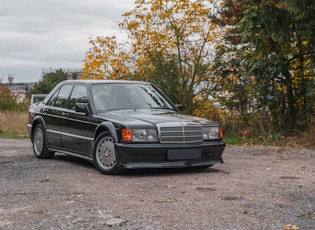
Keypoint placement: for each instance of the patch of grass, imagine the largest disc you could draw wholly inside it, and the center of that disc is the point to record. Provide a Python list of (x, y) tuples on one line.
[(237, 140), (13, 124), (8, 135), (283, 141)]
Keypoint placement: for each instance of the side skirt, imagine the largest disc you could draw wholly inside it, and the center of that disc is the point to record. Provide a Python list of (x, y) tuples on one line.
[(71, 154)]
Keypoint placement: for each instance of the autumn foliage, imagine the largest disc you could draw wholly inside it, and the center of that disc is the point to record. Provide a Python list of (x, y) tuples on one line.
[(105, 60), (248, 64), (13, 115), (169, 43)]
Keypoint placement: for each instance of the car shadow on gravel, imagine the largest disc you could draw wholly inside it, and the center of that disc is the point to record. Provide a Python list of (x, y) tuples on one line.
[(170, 171), (139, 172), (73, 160)]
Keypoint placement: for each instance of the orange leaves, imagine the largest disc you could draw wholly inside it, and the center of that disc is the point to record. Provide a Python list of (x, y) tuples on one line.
[(178, 31), (290, 227), (205, 108), (132, 25), (172, 27), (104, 60)]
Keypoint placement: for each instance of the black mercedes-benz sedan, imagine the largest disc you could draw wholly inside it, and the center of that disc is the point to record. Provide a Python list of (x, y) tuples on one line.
[(121, 125)]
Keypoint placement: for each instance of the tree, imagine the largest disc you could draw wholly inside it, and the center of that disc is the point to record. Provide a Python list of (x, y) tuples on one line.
[(48, 82), (165, 75), (177, 34), (11, 102), (278, 35), (171, 44), (7, 99), (106, 59)]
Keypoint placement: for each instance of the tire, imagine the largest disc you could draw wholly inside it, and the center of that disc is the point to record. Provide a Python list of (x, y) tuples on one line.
[(105, 156), (40, 143)]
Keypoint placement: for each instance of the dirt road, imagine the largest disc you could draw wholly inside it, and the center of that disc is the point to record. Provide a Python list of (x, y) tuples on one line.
[(256, 188)]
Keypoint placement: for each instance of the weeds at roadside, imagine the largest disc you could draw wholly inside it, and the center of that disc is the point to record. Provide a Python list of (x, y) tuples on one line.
[(13, 124)]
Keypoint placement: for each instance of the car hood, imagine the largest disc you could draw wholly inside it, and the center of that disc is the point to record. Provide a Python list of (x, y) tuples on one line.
[(149, 117)]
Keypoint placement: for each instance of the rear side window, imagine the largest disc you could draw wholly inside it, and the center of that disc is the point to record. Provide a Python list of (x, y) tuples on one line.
[(60, 98), (78, 95)]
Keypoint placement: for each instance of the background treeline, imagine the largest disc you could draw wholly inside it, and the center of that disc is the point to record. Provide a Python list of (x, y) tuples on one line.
[(247, 63), (13, 115), (266, 62), (14, 107)]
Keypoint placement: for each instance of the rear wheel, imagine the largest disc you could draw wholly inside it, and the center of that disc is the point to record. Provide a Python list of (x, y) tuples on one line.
[(104, 155), (39, 143)]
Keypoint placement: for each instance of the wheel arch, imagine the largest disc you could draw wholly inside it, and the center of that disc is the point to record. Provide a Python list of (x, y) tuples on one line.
[(37, 120), (106, 126)]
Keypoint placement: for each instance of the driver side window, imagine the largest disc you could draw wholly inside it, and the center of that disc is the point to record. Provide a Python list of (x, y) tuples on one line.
[(78, 95)]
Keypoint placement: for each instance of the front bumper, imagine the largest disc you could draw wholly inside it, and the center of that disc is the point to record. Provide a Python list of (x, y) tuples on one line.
[(134, 156)]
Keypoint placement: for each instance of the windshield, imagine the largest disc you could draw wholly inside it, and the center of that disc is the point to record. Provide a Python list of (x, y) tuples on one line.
[(111, 96)]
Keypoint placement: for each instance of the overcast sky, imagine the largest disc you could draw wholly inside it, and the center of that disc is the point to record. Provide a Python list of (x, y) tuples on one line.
[(37, 34)]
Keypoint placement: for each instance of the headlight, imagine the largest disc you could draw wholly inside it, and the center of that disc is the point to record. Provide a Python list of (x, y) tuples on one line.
[(211, 133), (139, 135)]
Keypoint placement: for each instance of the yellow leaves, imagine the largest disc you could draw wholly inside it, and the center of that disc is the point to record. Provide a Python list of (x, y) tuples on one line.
[(306, 215), (290, 227), (209, 38), (304, 43), (180, 29), (133, 25), (166, 15), (172, 27), (148, 17), (155, 7), (205, 108), (164, 201), (105, 61), (181, 20), (141, 61), (127, 14), (97, 50), (213, 26)]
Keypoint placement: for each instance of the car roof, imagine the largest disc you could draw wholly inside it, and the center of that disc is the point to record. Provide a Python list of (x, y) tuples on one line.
[(90, 82)]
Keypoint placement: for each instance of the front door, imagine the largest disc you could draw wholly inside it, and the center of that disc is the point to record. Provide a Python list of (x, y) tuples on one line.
[(75, 125)]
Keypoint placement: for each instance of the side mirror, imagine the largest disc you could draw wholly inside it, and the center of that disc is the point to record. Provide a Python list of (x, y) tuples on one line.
[(82, 108), (180, 107)]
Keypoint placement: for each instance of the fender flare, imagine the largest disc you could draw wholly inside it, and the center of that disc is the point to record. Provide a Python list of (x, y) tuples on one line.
[(40, 120), (110, 127)]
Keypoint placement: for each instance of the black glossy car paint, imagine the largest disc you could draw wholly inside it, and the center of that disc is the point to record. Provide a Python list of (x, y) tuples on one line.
[(74, 132)]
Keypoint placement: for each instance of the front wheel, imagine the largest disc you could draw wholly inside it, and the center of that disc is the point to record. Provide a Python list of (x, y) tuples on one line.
[(39, 143), (105, 156)]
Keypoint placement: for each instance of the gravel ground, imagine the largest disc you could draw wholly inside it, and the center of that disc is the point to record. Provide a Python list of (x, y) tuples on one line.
[(256, 188)]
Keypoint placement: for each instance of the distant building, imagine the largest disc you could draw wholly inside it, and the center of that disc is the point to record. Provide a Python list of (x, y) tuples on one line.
[(19, 88), (72, 73)]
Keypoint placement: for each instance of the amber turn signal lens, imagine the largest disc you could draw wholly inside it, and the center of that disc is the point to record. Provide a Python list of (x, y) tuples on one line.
[(126, 134), (221, 132)]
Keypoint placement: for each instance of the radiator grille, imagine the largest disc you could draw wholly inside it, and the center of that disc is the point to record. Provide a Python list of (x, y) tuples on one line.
[(180, 132)]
